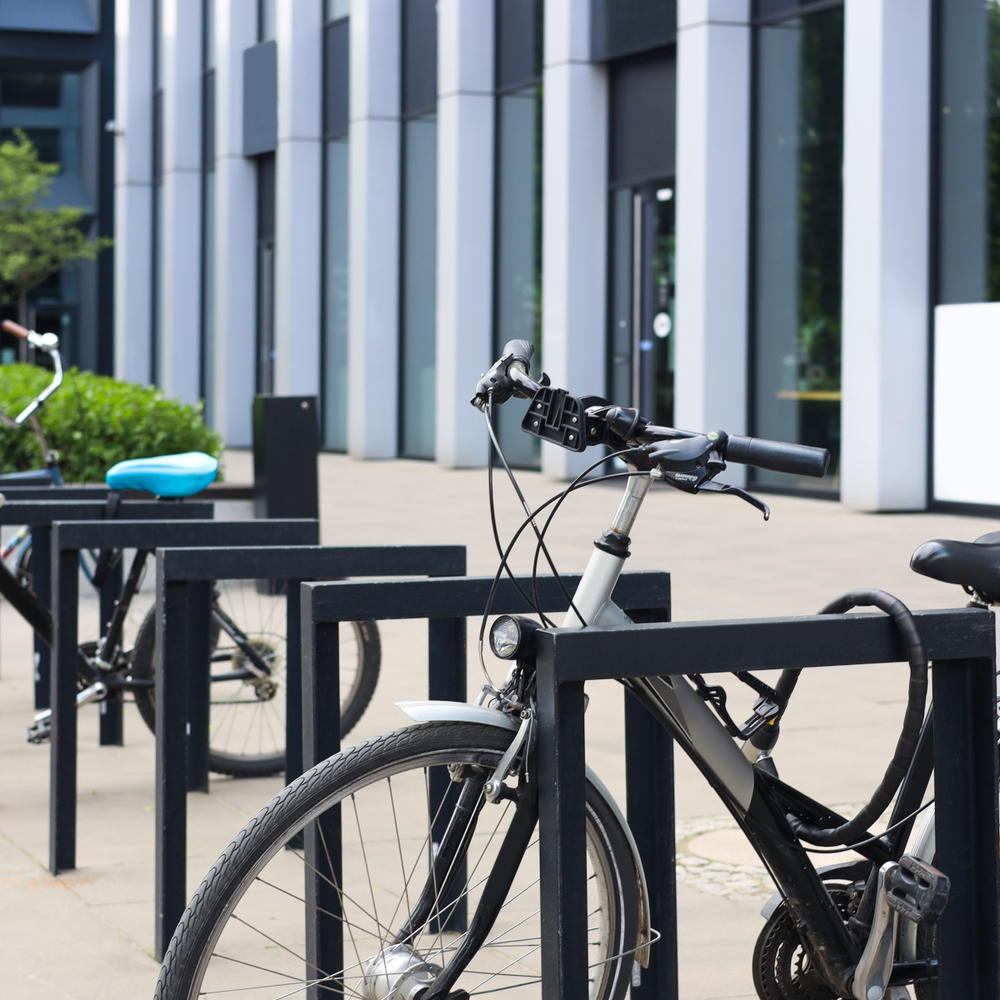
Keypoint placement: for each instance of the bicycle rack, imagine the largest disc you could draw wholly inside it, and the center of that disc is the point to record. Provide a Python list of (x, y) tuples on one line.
[(182, 581), (961, 644), (86, 503), (446, 603), (68, 538)]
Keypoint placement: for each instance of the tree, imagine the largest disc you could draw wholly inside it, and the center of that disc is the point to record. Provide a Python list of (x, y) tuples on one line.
[(35, 242)]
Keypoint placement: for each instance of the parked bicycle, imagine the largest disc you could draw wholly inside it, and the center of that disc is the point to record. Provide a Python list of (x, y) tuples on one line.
[(247, 721), (419, 874)]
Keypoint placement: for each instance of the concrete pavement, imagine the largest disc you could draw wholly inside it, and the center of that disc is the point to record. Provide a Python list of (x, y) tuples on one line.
[(87, 934)]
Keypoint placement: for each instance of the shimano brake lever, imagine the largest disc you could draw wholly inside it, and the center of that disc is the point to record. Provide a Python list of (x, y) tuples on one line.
[(713, 487)]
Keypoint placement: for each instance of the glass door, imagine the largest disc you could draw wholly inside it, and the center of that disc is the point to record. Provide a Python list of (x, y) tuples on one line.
[(643, 244)]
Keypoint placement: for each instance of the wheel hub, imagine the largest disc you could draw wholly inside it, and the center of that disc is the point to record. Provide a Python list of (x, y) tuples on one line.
[(397, 973)]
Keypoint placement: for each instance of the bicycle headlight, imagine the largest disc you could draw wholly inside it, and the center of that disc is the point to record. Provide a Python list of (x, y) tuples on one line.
[(512, 637)]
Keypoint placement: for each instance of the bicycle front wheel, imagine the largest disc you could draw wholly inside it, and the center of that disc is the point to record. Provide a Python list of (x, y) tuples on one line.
[(247, 716), (244, 933)]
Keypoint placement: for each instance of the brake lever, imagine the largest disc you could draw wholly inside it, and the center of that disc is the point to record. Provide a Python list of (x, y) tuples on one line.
[(711, 486)]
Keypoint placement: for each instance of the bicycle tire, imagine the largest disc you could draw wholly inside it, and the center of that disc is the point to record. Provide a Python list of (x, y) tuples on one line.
[(217, 946), (247, 726)]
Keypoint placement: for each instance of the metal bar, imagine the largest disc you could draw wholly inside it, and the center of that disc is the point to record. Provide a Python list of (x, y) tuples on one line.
[(562, 838), (320, 691), (111, 729), (149, 534), (450, 597), (321, 739), (62, 786), (649, 777), (965, 782), (43, 512), (41, 582), (314, 562), (724, 646), (293, 680), (171, 755), (446, 681), (197, 657)]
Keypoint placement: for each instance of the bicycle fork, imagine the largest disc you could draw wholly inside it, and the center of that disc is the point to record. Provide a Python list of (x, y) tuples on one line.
[(399, 970)]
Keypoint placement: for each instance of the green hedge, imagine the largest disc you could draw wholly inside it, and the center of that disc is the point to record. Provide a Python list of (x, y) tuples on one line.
[(94, 422)]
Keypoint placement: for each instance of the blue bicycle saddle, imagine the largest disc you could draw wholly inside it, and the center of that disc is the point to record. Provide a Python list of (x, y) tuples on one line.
[(165, 475)]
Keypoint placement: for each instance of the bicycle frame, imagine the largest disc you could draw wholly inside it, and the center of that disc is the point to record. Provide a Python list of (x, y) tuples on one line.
[(757, 799)]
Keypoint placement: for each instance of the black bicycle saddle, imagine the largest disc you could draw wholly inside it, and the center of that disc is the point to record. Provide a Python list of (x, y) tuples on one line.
[(974, 565)]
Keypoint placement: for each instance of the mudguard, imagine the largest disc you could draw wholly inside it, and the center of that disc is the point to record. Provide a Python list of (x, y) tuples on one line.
[(456, 711)]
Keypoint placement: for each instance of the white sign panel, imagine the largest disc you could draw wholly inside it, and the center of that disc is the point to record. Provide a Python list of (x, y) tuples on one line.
[(966, 398)]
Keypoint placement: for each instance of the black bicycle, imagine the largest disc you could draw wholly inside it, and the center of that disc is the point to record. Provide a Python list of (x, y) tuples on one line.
[(419, 866), (247, 721)]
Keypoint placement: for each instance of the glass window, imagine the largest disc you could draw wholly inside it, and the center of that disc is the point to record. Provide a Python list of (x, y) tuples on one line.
[(267, 20), (208, 210), (517, 278), (799, 110), (969, 152), (518, 241), (418, 295), (334, 10), (335, 293)]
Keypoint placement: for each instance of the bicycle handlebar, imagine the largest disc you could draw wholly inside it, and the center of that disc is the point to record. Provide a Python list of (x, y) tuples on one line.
[(47, 342), (621, 427), (777, 456), (15, 329)]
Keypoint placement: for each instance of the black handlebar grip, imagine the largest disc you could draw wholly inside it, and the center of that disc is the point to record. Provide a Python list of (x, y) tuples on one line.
[(778, 456), (523, 350)]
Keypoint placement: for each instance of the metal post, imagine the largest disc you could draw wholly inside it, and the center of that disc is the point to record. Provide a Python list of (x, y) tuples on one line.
[(649, 757), (293, 680), (171, 756), (41, 581), (649, 775), (321, 739), (965, 782), (562, 835), (62, 788), (446, 681), (112, 732), (198, 662)]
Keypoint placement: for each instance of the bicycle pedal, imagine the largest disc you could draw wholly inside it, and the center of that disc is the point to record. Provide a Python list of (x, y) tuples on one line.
[(917, 891), (39, 731)]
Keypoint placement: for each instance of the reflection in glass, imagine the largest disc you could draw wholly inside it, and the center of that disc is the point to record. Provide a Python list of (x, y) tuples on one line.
[(335, 298), (969, 157), (518, 292), (798, 202), (418, 292)]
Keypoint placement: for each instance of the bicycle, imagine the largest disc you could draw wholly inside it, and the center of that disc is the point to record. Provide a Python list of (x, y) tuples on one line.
[(247, 725), (448, 907)]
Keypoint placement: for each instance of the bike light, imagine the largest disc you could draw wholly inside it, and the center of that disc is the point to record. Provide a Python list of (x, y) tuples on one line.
[(512, 637)]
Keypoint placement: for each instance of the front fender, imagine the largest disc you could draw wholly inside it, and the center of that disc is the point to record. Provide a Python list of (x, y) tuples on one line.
[(456, 711)]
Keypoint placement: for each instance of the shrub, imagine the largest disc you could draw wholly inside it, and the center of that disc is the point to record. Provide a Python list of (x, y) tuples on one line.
[(94, 422)]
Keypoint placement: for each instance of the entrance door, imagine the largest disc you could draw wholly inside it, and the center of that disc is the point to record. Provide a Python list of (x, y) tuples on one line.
[(642, 299)]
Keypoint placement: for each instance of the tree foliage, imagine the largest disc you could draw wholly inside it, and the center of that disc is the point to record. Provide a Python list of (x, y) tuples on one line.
[(35, 242), (94, 422)]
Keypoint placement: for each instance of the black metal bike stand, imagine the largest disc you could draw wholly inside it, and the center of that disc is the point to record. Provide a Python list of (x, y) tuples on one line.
[(68, 538), (85, 503), (961, 644), (182, 730), (446, 603)]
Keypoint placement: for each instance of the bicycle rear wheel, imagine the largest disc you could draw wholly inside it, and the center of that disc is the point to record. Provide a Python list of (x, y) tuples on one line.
[(244, 932), (247, 719)]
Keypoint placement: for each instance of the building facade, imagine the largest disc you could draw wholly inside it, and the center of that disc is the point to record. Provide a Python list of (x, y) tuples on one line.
[(57, 65), (773, 217)]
